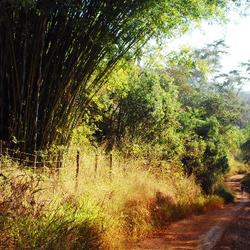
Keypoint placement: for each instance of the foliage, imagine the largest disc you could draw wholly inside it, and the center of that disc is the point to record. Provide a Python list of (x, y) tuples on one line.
[(55, 56), (245, 151), (224, 193), (147, 105), (245, 145), (245, 182), (156, 111), (30, 222), (102, 213), (73, 74), (205, 154)]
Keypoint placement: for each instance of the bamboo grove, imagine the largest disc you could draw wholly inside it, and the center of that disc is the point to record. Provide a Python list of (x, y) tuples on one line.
[(55, 56)]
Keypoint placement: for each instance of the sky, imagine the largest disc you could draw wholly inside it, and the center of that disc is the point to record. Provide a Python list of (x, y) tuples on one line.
[(235, 32)]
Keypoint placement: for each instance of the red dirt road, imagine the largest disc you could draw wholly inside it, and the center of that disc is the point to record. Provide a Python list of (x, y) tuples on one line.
[(237, 235), (217, 229)]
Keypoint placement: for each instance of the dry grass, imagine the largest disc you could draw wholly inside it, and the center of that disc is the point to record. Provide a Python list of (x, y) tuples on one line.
[(41, 211), (237, 167)]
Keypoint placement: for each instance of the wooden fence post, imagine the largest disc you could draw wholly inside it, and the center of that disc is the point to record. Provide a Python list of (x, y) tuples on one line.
[(96, 163), (35, 160), (1, 147), (1, 153), (77, 169), (110, 165), (27, 161), (61, 160), (58, 163), (124, 166), (43, 161)]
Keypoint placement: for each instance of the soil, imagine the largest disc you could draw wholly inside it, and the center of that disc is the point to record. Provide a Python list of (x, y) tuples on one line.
[(226, 228), (237, 235)]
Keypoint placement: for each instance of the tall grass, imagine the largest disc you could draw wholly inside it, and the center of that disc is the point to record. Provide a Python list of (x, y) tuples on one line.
[(46, 211), (237, 167)]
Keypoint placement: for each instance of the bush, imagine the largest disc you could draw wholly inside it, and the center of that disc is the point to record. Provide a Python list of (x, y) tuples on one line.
[(28, 222), (237, 167), (224, 193), (205, 155), (103, 213), (246, 182)]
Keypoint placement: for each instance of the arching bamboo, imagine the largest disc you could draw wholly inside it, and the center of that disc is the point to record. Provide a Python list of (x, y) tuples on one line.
[(55, 55)]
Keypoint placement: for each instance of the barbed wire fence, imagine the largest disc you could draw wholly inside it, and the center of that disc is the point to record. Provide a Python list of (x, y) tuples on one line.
[(52, 161), (32, 160)]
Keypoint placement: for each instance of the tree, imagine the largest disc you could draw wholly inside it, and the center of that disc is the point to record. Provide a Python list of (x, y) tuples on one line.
[(162, 112), (205, 155), (142, 112), (55, 56), (212, 113), (245, 145)]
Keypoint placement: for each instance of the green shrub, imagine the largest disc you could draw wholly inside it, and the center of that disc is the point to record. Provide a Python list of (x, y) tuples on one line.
[(245, 147), (246, 182), (30, 222), (205, 154), (57, 230), (224, 193), (103, 213)]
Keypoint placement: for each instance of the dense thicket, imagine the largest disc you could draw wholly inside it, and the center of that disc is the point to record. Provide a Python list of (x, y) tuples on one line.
[(173, 112), (245, 146), (55, 55)]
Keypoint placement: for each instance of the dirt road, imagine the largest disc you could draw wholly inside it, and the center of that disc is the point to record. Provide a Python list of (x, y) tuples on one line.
[(237, 235), (227, 228)]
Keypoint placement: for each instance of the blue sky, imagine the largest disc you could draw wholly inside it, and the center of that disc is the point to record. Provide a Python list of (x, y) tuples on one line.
[(235, 32)]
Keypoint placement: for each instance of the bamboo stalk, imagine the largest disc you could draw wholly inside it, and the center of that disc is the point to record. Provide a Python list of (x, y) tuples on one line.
[(55, 62)]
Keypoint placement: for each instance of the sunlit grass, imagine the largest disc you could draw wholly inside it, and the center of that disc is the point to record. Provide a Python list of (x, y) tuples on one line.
[(103, 211), (237, 167)]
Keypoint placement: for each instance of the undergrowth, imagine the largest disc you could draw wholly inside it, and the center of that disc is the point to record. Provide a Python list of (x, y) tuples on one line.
[(245, 182), (224, 193), (45, 211), (238, 167)]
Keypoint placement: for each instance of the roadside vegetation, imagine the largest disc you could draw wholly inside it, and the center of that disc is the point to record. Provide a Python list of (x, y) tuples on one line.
[(173, 123), (246, 183), (39, 214), (172, 138)]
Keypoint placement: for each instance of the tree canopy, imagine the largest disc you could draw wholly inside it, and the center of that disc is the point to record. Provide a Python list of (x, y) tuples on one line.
[(55, 56), (174, 112)]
